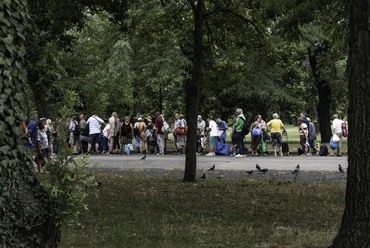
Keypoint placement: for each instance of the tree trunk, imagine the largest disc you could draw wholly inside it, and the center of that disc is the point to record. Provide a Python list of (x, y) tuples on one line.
[(355, 225), (25, 214), (323, 88), (193, 95)]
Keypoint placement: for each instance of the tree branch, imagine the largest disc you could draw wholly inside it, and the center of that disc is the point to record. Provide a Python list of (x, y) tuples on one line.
[(244, 19)]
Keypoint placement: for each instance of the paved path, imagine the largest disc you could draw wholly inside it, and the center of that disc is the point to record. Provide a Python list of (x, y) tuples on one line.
[(172, 162)]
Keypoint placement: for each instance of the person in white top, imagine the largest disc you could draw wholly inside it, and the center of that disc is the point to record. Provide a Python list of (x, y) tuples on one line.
[(337, 130), (213, 136), (94, 123)]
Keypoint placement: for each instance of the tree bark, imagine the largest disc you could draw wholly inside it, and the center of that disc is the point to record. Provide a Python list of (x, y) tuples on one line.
[(24, 213), (193, 94), (355, 225), (324, 90)]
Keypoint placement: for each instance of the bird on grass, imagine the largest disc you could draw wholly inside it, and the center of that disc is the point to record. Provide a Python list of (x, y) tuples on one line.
[(264, 171), (296, 170), (340, 168), (258, 167), (203, 176), (212, 168), (249, 172)]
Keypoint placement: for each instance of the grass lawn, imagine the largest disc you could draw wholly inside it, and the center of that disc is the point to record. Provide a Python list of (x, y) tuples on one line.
[(138, 211)]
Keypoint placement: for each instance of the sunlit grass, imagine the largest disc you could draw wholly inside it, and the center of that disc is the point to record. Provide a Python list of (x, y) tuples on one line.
[(133, 211)]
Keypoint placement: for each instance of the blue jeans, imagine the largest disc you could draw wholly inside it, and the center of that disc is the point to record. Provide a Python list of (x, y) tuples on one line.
[(240, 136)]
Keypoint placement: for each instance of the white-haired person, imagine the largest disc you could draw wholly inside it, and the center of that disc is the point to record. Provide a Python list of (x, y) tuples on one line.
[(276, 126), (337, 130)]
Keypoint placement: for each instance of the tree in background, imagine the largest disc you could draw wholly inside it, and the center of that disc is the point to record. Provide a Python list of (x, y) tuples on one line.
[(355, 226)]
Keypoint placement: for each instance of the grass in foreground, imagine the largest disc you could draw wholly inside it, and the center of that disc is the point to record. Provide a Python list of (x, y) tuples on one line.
[(133, 211)]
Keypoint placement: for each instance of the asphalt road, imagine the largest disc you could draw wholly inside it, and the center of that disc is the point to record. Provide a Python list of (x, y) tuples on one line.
[(227, 163)]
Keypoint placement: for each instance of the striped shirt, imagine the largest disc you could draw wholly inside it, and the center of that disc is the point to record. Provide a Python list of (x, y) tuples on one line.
[(94, 124)]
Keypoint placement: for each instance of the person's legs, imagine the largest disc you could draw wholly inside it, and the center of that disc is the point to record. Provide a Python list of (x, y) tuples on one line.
[(160, 141), (339, 144), (240, 144), (97, 140)]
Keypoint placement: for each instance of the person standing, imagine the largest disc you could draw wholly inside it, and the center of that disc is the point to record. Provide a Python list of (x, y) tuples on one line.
[(32, 133), (311, 135), (111, 123), (116, 130), (42, 146), (94, 123), (160, 132), (175, 125), (337, 130), (181, 137), (276, 126), (303, 136), (221, 130), (201, 126), (238, 129), (127, 132), (256, 136), (141, 128), (213, 136)]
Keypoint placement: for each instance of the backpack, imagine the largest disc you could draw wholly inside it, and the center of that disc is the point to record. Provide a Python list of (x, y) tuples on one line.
[(165, 127), (256, 131), (77, 130), (323, 150), (246, 126)]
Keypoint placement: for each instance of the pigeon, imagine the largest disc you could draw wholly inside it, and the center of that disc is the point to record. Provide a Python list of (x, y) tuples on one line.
[(340, 168), (296, 170), (96, 183), (212, 168), (258, 167), (249, 172), (203, 177), (264, 171)]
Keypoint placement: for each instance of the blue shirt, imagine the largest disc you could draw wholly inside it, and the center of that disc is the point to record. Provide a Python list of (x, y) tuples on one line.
[(222, 125)]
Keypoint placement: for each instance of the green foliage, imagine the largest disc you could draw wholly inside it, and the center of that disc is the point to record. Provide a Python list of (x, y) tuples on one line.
[(67, 185)]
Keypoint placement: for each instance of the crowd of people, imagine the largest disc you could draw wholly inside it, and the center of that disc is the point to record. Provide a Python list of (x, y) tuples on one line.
[(115, 136)]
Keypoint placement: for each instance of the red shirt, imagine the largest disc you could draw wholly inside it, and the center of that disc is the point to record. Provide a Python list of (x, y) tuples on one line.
[(159, 124)]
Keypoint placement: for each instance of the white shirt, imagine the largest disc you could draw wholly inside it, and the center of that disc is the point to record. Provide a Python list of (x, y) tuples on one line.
[(106, 132), (94, 124), (213, 127), (111, 125), (42, 138), (201, 125), (337, 125)]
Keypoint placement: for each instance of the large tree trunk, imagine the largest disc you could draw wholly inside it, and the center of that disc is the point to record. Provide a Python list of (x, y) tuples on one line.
[(323, 88), (193, 94), (24, 212), (355, 226)]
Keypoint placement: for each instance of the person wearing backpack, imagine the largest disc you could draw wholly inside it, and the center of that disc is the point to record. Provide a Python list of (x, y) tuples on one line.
[(256, 136), (276, 126), (239, 130)]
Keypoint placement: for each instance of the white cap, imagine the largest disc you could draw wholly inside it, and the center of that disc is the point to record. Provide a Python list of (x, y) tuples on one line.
[(139, 119)]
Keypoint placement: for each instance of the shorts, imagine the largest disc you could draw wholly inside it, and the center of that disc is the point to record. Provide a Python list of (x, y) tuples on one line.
[(94, 138), (45, 153), (276, 139), (213, 140)]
